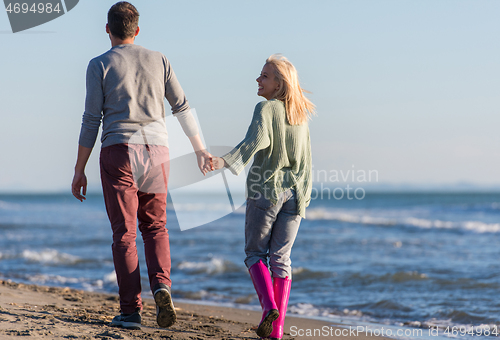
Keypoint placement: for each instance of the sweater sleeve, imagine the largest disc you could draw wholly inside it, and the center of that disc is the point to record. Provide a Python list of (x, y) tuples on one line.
[(94, 102), (178, 102), (256, 139)]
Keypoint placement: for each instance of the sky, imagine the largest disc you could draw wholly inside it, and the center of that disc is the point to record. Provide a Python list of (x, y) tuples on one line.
[(409, 89)]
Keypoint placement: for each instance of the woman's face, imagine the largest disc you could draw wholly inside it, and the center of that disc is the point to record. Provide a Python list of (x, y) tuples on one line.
[(267, 83)]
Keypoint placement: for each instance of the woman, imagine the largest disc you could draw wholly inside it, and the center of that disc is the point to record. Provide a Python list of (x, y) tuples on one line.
[(278, 186)]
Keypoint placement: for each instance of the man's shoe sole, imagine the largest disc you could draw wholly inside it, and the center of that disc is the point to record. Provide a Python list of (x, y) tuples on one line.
[(165, 316)]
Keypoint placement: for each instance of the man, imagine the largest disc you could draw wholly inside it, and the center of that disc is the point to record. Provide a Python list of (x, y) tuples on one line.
[(125, 89)]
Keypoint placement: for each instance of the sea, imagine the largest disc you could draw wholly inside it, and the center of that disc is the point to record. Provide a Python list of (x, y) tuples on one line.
[(417, 264)]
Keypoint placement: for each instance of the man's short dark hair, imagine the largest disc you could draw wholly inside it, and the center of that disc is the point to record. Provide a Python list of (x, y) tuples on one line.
[(123, 19)]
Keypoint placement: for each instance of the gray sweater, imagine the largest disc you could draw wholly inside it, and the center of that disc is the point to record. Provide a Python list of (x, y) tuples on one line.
[(125, 88)]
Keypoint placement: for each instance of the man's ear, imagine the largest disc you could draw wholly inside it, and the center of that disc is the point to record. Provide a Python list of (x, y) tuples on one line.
[(137, 31), (107, 28)]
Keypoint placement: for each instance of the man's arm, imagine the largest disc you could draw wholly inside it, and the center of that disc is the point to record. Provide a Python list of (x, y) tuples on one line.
[(90, 128), (181, 110), (79, 179), (94, 102)]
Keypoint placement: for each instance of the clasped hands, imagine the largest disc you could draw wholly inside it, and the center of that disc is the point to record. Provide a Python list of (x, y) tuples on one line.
[(208, 163)]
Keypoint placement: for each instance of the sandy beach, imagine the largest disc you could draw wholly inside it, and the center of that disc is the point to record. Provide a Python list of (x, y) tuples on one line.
[(42, 312)]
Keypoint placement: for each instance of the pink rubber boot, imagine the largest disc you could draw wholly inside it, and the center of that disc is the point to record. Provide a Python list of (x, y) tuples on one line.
[(281, 294), (263, 284)]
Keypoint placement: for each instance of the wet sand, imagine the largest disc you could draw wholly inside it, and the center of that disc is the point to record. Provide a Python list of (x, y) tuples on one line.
[(39, 312)]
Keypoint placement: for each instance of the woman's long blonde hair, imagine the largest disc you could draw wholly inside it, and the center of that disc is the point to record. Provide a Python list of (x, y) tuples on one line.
[(298, 108)]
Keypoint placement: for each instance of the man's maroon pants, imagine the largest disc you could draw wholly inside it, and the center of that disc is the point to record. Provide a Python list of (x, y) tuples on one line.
[(134, 181)]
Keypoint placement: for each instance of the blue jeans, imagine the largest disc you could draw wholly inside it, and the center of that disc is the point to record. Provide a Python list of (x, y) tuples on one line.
[(270, 231)]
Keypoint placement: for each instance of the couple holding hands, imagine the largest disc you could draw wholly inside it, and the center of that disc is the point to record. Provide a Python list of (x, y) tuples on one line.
[(125, 91)]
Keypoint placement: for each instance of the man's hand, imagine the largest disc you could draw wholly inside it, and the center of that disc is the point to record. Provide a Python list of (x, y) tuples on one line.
[(204, 163), (79, 182), (79, 179)]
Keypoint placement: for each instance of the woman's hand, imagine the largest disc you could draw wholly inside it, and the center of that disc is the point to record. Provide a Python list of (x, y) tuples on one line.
[(218, 163)]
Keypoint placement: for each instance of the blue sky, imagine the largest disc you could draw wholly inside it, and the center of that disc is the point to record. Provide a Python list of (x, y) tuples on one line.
[(407, 88)]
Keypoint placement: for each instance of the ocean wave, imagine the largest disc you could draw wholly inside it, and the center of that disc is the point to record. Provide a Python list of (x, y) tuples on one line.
[(466, 283), (385, 306), (197, 295), (54, 279), (10, 206), (106, 284), (217, 298), (405, 277), (109, 280), (492, 207), (307, 309), (46, 256), (216, 265), (398, 277), (6, 256), (409, 221), (49, 256), (301, 273)]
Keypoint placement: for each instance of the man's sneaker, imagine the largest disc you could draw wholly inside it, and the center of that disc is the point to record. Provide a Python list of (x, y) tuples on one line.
[(129, 321), (165, 311)]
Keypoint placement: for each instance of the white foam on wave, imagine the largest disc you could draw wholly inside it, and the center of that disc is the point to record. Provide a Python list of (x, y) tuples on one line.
[(362, 218), (110, 277), (60, 280), (216, 265), (309, 310), (107, 280), (49, 256), (84, 283), (482, 227), (298, 270), (10, 206), (305, 309)]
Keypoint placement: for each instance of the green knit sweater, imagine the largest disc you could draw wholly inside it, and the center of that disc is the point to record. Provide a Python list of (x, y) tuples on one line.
[(282, 155)]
